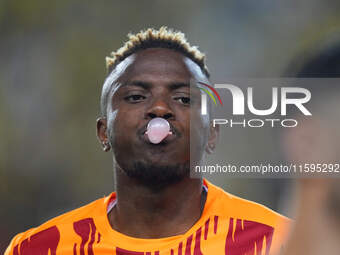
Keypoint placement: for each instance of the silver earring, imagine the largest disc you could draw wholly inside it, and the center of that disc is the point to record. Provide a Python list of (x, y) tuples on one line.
[(106, 146)]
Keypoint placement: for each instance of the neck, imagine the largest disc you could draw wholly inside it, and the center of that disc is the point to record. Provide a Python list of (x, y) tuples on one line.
[(143, 213)]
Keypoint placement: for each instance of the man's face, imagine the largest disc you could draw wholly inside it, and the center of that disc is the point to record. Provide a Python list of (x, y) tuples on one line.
[(154, 83)]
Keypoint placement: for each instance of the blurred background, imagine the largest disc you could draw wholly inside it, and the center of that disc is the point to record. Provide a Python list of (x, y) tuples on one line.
[(52, 69)]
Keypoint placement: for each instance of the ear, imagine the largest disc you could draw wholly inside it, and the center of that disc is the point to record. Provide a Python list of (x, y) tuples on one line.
[(101, 133), (213, 138)]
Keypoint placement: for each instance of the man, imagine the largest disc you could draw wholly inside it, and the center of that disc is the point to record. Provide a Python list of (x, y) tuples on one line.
[(316, 141), (146, 107)]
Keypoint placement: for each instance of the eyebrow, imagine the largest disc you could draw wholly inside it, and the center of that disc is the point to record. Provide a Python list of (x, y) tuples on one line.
[(148, 85), (178, 85), (142, 84)]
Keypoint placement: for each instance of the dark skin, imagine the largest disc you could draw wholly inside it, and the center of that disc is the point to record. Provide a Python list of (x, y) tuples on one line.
[(154, 83)]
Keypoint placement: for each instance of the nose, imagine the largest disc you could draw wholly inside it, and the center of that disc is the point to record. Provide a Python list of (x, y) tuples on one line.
[(160, 109)]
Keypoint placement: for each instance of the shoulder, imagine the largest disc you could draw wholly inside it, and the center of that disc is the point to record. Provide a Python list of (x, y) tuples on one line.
[(49, 232), (252, 219), (226, 204)]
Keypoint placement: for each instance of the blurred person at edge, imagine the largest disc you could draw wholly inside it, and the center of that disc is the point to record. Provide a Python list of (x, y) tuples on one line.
[(158, 208), (316, 140)]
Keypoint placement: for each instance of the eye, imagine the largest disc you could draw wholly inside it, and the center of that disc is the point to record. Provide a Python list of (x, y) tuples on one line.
[(134, 98), (183, 100)]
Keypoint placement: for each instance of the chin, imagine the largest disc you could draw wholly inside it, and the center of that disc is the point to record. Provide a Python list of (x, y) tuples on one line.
[(157, 175)]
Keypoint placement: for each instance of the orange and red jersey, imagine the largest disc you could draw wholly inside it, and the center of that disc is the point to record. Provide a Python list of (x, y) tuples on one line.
[(228, 225)]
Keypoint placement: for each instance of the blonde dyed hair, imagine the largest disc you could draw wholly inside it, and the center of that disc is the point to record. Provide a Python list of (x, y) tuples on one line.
[(161, 38)]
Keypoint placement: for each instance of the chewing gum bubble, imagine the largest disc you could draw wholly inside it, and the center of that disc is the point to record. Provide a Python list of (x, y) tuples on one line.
[(157, 130)]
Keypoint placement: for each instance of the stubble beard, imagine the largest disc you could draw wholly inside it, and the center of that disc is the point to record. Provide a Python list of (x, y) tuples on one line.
[(156, 177)]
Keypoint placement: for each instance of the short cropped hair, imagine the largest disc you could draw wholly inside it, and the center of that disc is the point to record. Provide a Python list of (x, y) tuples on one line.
[(161, 38)]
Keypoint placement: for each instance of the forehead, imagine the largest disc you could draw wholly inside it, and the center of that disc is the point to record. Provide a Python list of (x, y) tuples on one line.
[(160, 63)]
